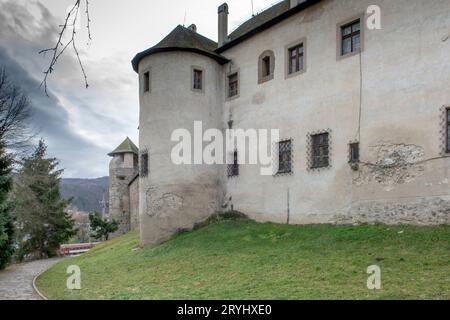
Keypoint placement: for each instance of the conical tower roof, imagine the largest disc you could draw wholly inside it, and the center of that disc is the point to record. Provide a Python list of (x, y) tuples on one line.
[(127, 146), (182, 39)]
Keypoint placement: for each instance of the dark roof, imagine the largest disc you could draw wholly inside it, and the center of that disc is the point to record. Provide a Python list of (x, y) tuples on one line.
[(127, 146), (263, 21), (182, 39)]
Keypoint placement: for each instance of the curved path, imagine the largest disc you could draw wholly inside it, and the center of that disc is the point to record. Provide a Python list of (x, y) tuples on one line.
[(16, 282)]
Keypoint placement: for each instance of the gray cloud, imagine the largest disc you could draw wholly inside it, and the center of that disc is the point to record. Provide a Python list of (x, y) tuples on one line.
[(79, 125)]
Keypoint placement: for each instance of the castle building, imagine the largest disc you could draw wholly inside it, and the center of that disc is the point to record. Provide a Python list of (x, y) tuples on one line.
[(359, 90), (124, 187)]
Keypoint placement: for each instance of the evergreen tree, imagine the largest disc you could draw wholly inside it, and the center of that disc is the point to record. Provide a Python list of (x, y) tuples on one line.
[(102, 228), (43, 222), (6, 220)]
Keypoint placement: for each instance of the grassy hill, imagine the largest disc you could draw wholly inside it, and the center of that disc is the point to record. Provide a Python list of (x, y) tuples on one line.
[(247, 260)]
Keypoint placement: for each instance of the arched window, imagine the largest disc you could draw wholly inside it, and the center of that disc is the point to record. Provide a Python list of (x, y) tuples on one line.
[(266, 66)]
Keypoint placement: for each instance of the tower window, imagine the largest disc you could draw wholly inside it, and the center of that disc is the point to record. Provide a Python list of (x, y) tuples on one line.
[(296, 57), (144, 164), (351, 37), (198, 79), (233, 85), (147, 81), (320, 150), (233, 169), (354, 152), (285, 157)]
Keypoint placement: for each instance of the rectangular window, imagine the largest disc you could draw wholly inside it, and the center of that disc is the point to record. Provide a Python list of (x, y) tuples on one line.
[(147, 81), (198, 79), (285, 157), (233, 85), (144, 165), (448, 129), (354, 152), (266, 66), (233, 169), (320, 150), (296, 58), (351, 37)]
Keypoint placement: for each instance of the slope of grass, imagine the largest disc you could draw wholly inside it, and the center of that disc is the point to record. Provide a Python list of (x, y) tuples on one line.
[(247, 260)]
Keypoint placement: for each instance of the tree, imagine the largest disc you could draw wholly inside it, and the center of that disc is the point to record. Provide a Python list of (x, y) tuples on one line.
[(14, 135), (101, 227), (7, 229), (43, 222), (15, 110)]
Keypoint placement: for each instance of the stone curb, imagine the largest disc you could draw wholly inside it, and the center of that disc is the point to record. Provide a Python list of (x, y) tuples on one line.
[(40, 294)]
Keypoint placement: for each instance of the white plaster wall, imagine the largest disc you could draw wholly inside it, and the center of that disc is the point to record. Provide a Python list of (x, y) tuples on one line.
[(175, 197), (406, 76)]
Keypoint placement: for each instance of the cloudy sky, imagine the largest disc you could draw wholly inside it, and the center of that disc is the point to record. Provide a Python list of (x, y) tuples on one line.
[(82, 125)]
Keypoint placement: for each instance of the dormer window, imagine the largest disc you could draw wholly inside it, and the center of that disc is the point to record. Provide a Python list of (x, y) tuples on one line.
[(266, 66)]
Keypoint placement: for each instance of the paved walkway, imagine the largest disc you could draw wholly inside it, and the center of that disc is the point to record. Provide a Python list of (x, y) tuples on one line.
[(16, 282)]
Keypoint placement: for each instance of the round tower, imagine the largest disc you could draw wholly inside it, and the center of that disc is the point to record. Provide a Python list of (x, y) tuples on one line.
[(180, 83), (123, 169)]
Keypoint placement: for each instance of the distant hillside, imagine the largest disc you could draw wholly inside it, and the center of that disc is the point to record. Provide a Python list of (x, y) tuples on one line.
[(86, 193)]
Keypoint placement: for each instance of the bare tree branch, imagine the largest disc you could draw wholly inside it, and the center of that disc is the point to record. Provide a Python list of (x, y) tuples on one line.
[(58, 50), (15, 111)]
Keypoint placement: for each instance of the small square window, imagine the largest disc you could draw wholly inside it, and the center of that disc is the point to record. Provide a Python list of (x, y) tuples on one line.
[(351, 37), (320, 150), (147, 81), (354, 152), (285, 157), (198, 79), (144, 164), (233, 85)]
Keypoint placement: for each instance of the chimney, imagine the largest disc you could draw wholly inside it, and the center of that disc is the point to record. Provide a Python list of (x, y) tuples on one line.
[(193, 28), (223, 24)]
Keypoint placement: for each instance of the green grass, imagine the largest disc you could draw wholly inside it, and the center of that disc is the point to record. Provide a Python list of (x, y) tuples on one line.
[(247, 260)]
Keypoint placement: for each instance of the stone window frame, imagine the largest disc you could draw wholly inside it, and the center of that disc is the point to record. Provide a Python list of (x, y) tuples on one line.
[(227, 87), (261, 77), (361, 18), (302, 41), (309, 138), (193, 69), (143, 80), (144, 154)]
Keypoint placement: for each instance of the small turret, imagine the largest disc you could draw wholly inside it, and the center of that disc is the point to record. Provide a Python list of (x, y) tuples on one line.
[(123, 170)]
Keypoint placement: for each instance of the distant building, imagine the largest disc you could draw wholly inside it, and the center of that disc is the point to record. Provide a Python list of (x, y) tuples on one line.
[(364, 117)]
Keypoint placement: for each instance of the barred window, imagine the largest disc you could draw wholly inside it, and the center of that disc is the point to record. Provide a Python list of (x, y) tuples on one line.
[(351, 37), (320, 150), (144, 164), (233, 169), (354, 152), (233, 85), (285, 157), (448, 129)]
